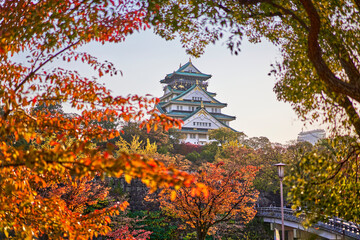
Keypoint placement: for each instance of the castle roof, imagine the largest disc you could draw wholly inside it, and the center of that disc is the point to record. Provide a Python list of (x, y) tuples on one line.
[(179, 98), (171, 90), (223, 116), (196, 103), (187, 70), (178, 114), (159, 107)]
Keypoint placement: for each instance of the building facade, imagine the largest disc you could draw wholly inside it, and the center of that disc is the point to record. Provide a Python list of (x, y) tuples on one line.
[(186, 98), (312, 136)]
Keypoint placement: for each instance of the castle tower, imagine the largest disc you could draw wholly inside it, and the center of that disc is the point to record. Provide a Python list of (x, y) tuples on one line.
[(186, 98)]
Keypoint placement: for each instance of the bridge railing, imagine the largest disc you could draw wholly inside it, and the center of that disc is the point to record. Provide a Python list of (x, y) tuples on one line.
[(335, 225)]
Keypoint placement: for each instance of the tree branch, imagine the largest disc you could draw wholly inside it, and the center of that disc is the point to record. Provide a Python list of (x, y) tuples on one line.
[(315, 55), (251, 2), (32, 73), (283, 12), (340, 166), (349, 67), (352, 113), (291, 13)]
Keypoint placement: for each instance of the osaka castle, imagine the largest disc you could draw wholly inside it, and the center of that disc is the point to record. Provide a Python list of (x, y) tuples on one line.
[(186, 98)]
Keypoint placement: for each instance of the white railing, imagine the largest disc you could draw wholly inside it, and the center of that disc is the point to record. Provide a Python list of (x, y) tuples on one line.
[(336, 225)]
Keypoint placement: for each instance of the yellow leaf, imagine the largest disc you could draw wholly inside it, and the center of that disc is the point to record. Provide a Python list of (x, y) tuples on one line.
[(128, 178), (173, 195)]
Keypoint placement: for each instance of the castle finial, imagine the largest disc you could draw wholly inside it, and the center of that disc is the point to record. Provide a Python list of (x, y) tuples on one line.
[(197, 82), (202, 104), (180, 65), (189, 59)]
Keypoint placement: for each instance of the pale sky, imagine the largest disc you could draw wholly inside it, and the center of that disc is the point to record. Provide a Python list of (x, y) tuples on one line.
[(240, 81)]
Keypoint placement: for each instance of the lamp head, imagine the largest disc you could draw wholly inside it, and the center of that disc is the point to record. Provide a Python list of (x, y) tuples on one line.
[(280, 167)]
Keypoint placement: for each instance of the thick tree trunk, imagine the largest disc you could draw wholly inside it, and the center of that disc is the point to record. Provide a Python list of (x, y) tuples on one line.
[(201, 233)]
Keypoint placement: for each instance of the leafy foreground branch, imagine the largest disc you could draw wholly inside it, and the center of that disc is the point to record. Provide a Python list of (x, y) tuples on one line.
[(52, 30), (326, 181)]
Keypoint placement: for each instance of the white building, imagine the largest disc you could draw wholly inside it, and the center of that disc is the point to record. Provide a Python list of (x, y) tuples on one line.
[(311, 136), (186, 97)]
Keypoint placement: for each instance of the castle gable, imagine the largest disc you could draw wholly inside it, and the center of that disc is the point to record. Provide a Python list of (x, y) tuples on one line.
[(196, 94), (202, 119)]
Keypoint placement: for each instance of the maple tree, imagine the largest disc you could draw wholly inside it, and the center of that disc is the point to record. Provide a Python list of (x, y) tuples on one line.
[(263, 158), (51, 30), (72, 198), (230, 196)]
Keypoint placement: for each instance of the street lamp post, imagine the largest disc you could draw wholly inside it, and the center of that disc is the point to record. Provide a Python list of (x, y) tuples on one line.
[(280, 167)]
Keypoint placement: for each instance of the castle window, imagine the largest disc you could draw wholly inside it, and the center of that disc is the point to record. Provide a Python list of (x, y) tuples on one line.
[(202, 136), (197, 98), (202, 124)]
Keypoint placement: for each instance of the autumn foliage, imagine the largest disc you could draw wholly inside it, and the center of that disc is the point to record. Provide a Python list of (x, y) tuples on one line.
[(51, 30), (230, 196), (125, 233), (71, 199), (78, 194)]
